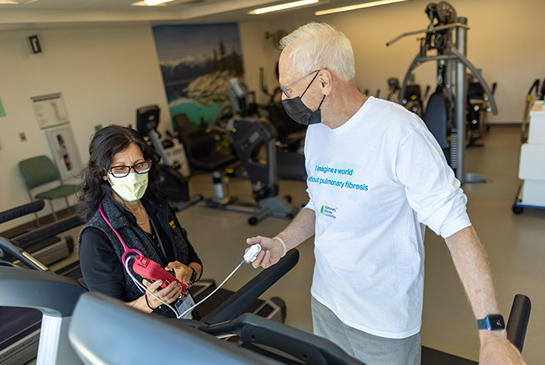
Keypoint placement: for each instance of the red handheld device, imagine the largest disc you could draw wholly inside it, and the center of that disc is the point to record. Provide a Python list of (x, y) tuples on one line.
[(151, 270)]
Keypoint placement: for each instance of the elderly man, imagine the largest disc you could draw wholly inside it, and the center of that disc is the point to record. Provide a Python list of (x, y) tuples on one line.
[(376, 177)]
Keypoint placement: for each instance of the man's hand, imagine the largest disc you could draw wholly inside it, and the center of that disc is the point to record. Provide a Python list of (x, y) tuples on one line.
[(271, 251), (472, 265), (300, 229), (496, 349)]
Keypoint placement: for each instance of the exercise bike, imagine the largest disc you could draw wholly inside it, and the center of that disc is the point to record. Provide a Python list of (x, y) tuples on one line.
[(478, 107), (173, 160), (252, 149), (412, 100), (290, 159), (528, 106)]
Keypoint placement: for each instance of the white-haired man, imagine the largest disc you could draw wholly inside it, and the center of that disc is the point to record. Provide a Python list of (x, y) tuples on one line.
[(376, 177)]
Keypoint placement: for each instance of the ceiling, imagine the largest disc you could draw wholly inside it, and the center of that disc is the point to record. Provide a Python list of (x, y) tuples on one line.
[(44, 14)]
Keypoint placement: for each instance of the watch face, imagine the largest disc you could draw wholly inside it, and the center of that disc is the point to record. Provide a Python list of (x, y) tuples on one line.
[(496, 322)]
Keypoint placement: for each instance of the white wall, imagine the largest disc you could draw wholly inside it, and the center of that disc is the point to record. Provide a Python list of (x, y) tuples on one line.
[(506, 40), (259, 52), (103, 74), (106, 73)]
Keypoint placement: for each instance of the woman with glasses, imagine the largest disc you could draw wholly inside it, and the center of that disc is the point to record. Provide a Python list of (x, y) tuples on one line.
[(122, 191)]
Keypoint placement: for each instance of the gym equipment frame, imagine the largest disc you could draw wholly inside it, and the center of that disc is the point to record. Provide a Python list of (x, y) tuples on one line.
[(451, 59)]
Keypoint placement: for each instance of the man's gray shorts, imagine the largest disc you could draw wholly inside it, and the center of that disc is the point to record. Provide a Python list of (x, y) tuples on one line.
[(370, 349)]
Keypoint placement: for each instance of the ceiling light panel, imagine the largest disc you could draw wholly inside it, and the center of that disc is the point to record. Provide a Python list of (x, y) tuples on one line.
[(284, 6), (357, 6)]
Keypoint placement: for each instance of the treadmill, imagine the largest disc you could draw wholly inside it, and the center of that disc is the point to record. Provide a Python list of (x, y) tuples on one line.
[(73, 317), (261, 340), (20, 327), (47, 250)]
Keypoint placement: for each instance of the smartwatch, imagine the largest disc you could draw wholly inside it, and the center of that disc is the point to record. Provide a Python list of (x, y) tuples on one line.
[(193, 276), (492, 322)]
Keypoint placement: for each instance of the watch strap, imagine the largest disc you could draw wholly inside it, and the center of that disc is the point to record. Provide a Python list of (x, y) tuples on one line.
[(193, 276), (492, 322)]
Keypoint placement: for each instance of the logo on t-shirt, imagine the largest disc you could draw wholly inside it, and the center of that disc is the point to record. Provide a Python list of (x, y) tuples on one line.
[(328, 211)]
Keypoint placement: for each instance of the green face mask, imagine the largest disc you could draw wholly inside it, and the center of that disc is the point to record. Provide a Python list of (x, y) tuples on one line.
[(131, 187)]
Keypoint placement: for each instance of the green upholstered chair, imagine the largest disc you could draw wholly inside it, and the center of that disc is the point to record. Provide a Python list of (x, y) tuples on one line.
[(40, 170)]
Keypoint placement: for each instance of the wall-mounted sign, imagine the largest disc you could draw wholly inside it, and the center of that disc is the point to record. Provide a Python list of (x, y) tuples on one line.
[(50, 110), (35, 44)]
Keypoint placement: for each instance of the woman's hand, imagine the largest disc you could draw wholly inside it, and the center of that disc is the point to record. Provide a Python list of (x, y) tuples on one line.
[(167, 295), (183, 272)]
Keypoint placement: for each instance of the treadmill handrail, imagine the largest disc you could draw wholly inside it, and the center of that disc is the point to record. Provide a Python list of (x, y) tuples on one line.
[(265, 333), (126, 333), (518, 320), (43, 233), (21, 210), (52, 294), (238, 302), (8, 251)]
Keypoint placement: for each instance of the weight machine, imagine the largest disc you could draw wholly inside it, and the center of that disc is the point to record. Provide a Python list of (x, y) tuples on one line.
[(445, 114), (172, 159)]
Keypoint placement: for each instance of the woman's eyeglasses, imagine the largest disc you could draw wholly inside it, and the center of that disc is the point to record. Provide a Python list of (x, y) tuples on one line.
[(139, 168)]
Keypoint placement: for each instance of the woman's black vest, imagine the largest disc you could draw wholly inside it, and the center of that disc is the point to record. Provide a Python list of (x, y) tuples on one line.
[(136, 238)]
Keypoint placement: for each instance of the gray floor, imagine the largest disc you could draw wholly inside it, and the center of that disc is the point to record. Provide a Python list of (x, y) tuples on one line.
[(515, 245)]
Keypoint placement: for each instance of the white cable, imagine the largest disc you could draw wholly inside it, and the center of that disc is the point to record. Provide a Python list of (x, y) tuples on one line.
[(178, 316), (144, 289), (215, 290)]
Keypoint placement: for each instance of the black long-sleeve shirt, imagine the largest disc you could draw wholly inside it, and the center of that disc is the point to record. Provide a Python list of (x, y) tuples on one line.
[(101, 267)]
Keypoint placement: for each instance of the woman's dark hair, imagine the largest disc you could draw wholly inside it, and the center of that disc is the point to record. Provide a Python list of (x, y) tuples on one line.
[(106, 143)]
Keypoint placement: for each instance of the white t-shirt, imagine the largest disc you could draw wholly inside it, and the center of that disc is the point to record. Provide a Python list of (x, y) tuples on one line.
[(371, 183)]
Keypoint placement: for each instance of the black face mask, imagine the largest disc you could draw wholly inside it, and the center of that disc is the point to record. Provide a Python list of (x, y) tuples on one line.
[(299, 112)]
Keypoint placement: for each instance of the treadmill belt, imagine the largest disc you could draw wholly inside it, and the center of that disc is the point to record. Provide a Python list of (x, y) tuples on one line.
[(19, 333), (433, 357)]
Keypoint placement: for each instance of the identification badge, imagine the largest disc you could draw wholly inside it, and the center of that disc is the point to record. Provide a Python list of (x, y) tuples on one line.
[(184, 303)]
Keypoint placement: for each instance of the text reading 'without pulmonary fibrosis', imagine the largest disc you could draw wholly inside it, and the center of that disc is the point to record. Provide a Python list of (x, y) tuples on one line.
[(336, 183)]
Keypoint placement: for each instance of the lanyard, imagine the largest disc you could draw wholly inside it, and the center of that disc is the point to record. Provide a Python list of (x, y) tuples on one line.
[(154, 229)]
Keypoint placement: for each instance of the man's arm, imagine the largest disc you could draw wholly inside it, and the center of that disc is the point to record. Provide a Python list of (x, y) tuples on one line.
[(472, 265), (300, 229)]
